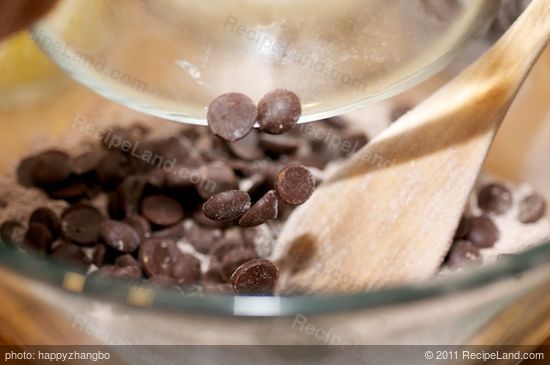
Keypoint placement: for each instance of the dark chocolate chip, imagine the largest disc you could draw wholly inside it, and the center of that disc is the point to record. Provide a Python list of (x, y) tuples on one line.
[(126, 260), (463, 253), (174, 232), (494, 198), (483, 232), (257, 276), (84, 163), (112, 169), (156, 255), (47, 217), (38, 237), (214, 178), (279, 145), (140, 224), (186, 269), (161, 210), (50, 168), (81, 224), (279, 111), (233, 259), (201, 238), (227, 206), (231, 116), (294, 184), (463, 228), (25, 171), (247, 148), (71, 253), (70, 192), (13, 233), (126, 273), (263, 210), (531, 208), (119, 235)]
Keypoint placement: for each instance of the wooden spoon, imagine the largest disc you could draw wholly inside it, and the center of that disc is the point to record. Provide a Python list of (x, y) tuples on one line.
[(389, 214)]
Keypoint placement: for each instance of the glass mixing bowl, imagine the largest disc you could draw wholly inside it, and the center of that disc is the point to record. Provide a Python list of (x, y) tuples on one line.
[(171, 58)]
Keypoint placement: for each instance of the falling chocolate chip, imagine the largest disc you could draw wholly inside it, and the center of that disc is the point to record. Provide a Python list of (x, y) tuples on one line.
[(81, 224), (294, 184), (483, 232), (119, 235), (227, 206), (279, 111), (531, 208), (494, 198), (231, 116), (161, 210), (13, 233), (258, 276), (263, 210)]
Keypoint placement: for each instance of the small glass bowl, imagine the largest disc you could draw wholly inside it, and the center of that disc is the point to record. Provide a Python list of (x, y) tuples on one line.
[(171, 58)]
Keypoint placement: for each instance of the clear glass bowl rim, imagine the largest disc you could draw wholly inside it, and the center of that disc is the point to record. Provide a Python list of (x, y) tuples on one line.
[(52, 273)]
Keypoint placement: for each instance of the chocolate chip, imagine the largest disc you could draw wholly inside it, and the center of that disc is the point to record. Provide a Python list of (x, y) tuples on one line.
[(201, 238), (219, 250), (463, 253), (483, 232), (126, 198), (233, 259), (186, 269), (174, 232), (38, 237), (140, 224), (227, 206), (12, 233), (50, 168), (70, 192), (494, 198), (126, 273), (156, 256), (25, 171), (81, 224), (112, 169), (231, 116), (279, 145), (263, 210), (531, 208), (126, 260), (294, 184), (257, 276), (279, 111), (119, 235), (84, 163), (215, 178), (47, 217), (248, 147), (71, 253), (101, 255), (463, 228), (161, 210)]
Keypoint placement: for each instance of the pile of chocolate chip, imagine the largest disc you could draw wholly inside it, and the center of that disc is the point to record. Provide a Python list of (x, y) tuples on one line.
[(217, 194), (477, 233)]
